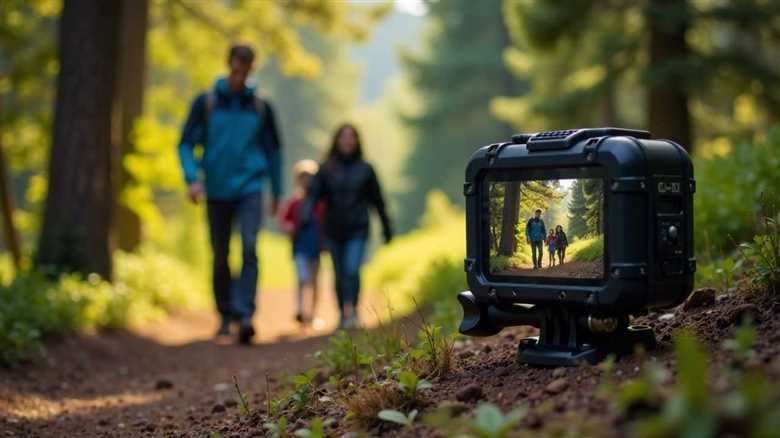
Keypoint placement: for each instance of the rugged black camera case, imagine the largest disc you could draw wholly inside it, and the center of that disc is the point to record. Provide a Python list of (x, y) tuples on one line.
[(648, 247)]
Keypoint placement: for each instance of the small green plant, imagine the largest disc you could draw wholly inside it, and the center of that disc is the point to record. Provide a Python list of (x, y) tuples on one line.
[(315, 430), (433, 354), (487, 421), (764, 251), (410, 384), (398, 417), (742, 343), (278, 428), (341, 356), (490, 422), (302, 389)]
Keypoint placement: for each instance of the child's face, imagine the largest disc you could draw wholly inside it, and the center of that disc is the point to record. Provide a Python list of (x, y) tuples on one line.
[(304, 180)]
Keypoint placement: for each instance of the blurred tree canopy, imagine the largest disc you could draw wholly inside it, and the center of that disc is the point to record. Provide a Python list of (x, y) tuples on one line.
[(457, 73), (690, 70), (187, 42)]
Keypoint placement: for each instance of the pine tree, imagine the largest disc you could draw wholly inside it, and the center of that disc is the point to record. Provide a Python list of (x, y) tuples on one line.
[(578, 209), (592, 190), (460, 71), (591, 63)]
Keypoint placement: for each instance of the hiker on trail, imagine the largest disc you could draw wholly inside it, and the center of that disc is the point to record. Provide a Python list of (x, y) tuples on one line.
[(241, 149), (535, 232), (561, 242), (551, 248), (306, 240), (348, 185)]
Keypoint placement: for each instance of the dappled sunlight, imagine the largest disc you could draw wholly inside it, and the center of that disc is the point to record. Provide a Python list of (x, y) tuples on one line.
[(38, 407)]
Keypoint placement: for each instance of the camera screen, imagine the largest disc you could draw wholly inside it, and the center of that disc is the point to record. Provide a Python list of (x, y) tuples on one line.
[(552, 228)]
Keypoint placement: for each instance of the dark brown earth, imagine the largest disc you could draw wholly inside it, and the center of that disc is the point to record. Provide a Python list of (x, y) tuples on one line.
[(579, 269), (165, 379), (169, 380)]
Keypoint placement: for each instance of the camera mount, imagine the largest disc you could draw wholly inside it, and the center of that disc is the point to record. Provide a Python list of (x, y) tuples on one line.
[(566, 338)]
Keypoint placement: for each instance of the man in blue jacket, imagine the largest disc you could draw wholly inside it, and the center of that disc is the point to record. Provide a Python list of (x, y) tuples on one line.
[(535, 232), (241, 149)]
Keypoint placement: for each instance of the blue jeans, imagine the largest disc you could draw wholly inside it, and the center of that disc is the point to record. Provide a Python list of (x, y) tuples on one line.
[(536, 253), (235, 300), (347, 258)]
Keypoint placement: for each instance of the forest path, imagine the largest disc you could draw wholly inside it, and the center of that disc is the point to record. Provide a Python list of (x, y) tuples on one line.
[(161, 379)]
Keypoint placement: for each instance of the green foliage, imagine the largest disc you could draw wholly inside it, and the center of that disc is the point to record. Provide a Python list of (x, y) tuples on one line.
[(729, 191), (341, 356), (445, 137), (490, 422), (487, 421), (315, 430), (425, 264), (763, 254), (147, 285), (689, 407), (398, 417), (588, 249), (410, 383), (278, 428)]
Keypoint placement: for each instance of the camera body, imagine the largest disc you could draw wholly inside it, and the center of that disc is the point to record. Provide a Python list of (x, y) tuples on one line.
[(644, 223)]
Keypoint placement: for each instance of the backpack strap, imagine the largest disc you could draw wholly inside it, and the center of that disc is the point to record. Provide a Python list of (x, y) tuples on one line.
[(211, 102), (260, 108)]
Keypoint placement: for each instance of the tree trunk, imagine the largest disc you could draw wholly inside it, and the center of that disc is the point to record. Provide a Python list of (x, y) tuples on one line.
[(77, 214), (667, 95), (510, 213), (128, 104), (6, 199)]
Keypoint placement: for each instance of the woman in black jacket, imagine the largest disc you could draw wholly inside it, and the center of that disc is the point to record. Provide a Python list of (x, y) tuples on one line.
[(348, 185)]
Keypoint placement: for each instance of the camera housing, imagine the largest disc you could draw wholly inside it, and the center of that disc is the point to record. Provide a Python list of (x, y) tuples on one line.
[(646, 226)]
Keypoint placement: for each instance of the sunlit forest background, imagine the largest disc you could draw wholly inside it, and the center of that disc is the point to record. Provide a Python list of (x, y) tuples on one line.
[(101, 234)]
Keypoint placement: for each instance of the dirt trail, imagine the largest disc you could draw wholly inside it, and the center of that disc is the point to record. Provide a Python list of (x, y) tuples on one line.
[(159, 380)]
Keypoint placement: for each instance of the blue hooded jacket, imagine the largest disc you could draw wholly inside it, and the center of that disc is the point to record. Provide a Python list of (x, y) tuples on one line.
[(535, 230), (240, 147)]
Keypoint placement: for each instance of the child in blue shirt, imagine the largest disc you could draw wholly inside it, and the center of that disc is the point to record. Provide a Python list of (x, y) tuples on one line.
[(306, 240)]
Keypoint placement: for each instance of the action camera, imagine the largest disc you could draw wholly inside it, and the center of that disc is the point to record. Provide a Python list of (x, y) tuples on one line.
[(575, 232)]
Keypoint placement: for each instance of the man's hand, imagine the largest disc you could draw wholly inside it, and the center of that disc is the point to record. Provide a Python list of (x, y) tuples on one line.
[(195, 192), (274, 206)]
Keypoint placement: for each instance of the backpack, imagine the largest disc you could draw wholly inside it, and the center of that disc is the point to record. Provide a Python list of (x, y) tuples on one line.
[(211, 102)]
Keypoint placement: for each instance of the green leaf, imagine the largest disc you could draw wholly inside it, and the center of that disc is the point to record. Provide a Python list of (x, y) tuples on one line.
[(394, 416)]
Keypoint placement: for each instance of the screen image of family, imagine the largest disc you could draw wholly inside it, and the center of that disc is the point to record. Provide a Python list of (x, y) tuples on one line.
[(547, 228)]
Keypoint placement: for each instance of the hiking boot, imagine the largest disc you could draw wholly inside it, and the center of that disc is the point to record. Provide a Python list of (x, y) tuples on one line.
[(245, 331), (224, 328), (351, 322)]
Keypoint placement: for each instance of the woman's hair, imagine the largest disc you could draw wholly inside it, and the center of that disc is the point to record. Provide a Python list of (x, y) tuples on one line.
[(558, 227), (334, 145)]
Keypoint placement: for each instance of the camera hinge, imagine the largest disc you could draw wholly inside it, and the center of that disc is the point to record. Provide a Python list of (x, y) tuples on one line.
[(493, 151)]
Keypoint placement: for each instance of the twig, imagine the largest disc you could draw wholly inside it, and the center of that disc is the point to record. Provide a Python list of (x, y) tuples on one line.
[(241, 397), (268, 395)]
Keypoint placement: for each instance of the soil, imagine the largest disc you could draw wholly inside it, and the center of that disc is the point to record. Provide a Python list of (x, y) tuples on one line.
[(578, 269), (172, 380), (169, 378)]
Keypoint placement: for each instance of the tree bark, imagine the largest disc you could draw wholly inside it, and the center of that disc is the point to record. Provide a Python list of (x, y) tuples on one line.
[(6, 199), (508, 244), (77, 214), (668, 112), (128, 105)]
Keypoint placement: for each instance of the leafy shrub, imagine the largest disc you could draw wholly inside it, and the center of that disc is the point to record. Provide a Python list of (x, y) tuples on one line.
[(587, 250), (690, 407), (401, 269), (147, 285), (729, 188)]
